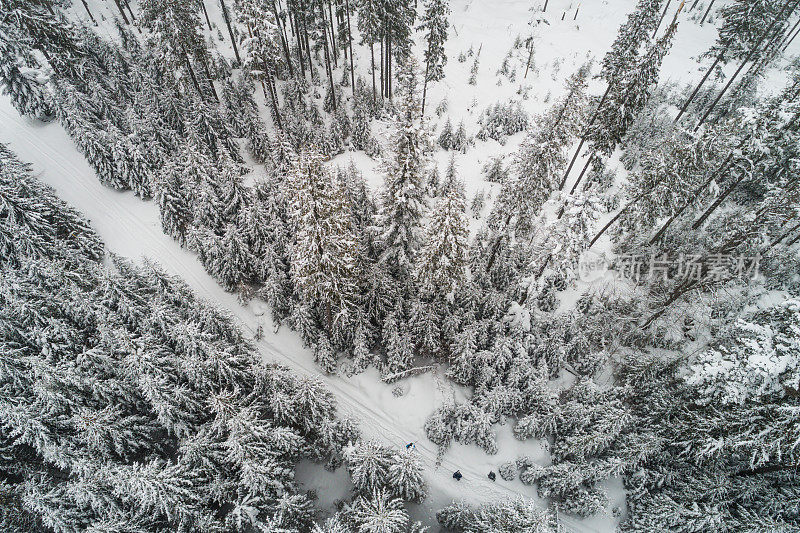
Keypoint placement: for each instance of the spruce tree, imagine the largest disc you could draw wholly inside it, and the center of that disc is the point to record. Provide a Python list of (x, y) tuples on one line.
[(435, 24), (325, 252), (403, 195), (441, 263)]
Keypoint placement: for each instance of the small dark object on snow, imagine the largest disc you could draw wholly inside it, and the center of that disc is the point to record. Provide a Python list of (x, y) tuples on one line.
[(409, 445), (492, 476), (457, 475)]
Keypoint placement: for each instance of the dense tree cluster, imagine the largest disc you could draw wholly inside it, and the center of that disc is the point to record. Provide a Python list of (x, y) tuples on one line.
[(131, 405)]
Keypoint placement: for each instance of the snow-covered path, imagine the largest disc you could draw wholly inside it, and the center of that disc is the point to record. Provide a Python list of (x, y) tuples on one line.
[(130, 228)]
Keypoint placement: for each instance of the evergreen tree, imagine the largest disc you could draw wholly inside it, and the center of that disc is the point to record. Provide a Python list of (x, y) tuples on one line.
[(403, 197), (34, 221), (441, 264), (325, 252), (368, 463), (459, 141), (404, 476), (24, 85), (743, 23), (636, 31), (446, 136), (174, 201), (176, 26), (262, 48), (502, 517), (435, 25)]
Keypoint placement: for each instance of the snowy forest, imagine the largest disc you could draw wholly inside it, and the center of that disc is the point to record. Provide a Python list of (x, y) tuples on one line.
[(396, 266)]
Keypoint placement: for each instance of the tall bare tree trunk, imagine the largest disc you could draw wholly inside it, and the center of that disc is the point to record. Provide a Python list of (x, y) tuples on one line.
[(208, 20), (227, 17), (350, 44), (284, 38), (86, 6), (209, 78), (335, 50), (702, 81), (122, 11), (425, 87), (702, 20), (296, 31), (327, 55), (747, 59)]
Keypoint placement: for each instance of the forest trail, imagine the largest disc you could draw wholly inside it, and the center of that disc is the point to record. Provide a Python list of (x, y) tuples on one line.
[(131, 228)]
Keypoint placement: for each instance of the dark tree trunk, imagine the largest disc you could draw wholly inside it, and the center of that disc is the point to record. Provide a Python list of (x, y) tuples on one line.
[(208, 20), (530, 56), (692, 198), (697, 88), (583, 137), (327, 56), (122, 11), (227, 18), (284, 41), (350, 45), (274, 99), (389, 61), (372, 68), (713, 207), (308, 48), (86, 6), (747, 59), (130, 11), (192, 74), (335, 50), (209, 78), (790, 40), (296, 31), (707, 12), (663, 13), (425, 87)]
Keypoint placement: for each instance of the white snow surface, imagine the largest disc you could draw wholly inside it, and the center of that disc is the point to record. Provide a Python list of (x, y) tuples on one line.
[(130, 227)]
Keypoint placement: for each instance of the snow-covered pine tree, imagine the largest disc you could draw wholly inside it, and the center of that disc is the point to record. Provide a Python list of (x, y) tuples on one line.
[(35, 220), (380, 513), (403, 196), (503, 517), (632, 35), (743, 23), (442, 259), (262, 48), (174, 197), (404, 476), (446, 136), (397, 341), (435, 24), (325, 251), (22, 79), (368, 463), (628, 96), (176, 26)]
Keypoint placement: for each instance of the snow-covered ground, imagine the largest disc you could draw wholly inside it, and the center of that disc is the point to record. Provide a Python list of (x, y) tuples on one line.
[(131, 227)]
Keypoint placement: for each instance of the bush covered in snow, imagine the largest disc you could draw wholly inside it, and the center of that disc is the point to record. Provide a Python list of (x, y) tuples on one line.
[(499, 121)]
